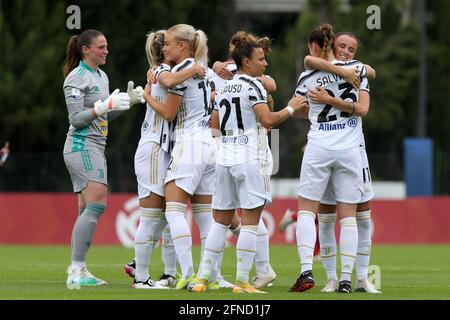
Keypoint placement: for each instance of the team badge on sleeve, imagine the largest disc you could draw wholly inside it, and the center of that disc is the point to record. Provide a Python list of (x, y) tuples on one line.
[(76, 94)]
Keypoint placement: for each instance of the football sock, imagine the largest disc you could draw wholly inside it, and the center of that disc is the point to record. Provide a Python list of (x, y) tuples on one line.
[(327, 241), (348, 245), (84, 229), (169, 257), (203, 218), (216, 273), (245, 251), (147, 234), (181, 236), (306, 238), (363, 223), (214, 245), (262, 248)]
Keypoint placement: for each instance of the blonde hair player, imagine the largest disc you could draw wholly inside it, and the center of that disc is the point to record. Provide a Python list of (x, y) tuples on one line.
[(150, 162), (191, 168)]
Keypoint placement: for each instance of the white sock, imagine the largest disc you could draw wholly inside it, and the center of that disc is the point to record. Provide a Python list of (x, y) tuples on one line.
[(262, 248), (203, 218), (147, 234), (169, 257), (245, 251), (217, 273), (214, 245), (363, 223), (348, 246), (306, 238), (327, 240), (181, 236)]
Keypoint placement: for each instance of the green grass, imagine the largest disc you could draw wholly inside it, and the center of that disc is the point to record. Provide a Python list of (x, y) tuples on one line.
[(38, 272)]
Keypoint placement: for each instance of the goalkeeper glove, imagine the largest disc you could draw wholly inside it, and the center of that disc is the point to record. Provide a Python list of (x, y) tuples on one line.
[(136, 95), (116, 101)]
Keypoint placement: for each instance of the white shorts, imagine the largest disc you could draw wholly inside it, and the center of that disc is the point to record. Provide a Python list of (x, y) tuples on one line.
[(329, 197), (150, 166), (240, 186), (192, 167), (341, 168)]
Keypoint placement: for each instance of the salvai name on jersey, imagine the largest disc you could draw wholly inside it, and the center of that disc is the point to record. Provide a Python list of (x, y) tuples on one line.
[(330, 127)]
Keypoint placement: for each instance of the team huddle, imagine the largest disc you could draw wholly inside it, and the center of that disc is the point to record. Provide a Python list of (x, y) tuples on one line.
[(204, 140)]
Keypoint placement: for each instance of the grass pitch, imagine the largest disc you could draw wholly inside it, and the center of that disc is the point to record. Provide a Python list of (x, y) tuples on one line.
[(38, 272)]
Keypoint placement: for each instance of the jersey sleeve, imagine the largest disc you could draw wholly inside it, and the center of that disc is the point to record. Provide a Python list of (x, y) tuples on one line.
[(180, 88), (256, 93), (364, 81), (301, 89), (74, 92), (364, 85), (160, 69)]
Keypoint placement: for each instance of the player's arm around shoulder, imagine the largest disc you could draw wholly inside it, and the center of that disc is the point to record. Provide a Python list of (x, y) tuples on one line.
[(359, 108), (172, 79), (220, 68), (168, 110), (363, 104), (371, 72), (351, 75)]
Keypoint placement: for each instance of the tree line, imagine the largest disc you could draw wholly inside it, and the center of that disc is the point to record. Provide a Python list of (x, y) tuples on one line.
[(33, 115)]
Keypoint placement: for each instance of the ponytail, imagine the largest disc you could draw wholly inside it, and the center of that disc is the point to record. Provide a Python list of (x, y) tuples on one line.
[(324, 37), (154, 48), (328, 38), (73, 56), (201, 48)]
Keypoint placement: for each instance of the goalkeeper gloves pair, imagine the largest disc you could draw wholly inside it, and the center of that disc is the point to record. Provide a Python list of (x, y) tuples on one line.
[(120, 101)]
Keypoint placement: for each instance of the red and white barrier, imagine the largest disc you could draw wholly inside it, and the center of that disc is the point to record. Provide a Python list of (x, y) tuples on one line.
[(48, 218)]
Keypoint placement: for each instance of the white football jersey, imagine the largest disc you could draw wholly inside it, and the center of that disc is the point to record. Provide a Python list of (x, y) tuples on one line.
[(332, 128), (193, 115), (155, 128), (240, 140), (263, 147)]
